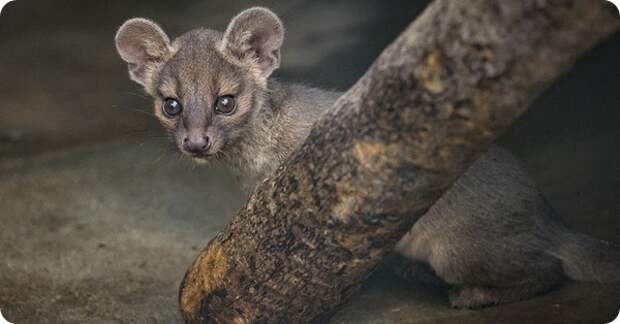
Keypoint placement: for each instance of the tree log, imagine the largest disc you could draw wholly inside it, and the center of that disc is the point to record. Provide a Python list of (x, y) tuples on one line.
[(424, 111)]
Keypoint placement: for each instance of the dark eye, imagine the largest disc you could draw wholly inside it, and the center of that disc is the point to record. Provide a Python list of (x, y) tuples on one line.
[(225, 105), (171, 107)]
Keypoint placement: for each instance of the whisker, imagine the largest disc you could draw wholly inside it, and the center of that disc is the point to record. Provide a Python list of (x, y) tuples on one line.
[(163, 137), (165, 152), (136, 94), (137, 110)]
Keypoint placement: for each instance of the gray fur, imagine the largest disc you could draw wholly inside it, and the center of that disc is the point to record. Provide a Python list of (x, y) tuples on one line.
[(492, 236)]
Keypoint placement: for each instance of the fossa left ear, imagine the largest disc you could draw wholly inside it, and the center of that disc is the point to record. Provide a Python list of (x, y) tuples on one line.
[(254, 38)]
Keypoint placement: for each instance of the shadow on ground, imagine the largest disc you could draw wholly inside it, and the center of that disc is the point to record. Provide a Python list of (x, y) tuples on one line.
[(100, 216)]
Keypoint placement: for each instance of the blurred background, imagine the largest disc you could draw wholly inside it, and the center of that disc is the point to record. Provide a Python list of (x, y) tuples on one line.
[(100, 216)]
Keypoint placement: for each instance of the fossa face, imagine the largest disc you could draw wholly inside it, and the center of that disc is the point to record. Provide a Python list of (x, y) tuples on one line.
[(206, 85)]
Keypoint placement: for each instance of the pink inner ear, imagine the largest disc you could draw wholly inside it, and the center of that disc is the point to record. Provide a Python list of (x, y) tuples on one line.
[(136, 72), (264, 49), (131, 52)]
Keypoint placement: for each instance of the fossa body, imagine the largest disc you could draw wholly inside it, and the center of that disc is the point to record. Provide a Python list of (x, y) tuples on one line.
[(492, 236)]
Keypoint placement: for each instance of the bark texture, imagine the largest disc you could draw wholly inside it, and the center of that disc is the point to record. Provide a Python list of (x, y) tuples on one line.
[(430, 104)]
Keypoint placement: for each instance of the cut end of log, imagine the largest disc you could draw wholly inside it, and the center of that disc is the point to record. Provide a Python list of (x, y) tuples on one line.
[(205, 278)]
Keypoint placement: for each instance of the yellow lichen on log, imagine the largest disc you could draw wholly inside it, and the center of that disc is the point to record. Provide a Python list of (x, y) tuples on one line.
[(203, 277)]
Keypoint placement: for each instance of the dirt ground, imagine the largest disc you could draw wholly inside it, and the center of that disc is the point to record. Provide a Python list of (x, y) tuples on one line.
[(100, 216)]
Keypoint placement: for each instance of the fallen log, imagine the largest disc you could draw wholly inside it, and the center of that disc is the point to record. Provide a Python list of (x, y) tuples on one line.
[(429, 105)]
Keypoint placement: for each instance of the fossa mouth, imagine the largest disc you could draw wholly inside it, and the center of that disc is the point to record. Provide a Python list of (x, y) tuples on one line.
[(200, 159)]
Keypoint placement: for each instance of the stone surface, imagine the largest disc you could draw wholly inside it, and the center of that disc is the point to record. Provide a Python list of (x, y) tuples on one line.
[(104, 234)]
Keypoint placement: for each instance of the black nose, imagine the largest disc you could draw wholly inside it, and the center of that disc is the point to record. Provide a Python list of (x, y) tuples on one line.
[(196, 145)]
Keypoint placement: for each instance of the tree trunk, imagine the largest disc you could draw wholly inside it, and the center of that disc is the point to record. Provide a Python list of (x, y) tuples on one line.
[(430, 104)]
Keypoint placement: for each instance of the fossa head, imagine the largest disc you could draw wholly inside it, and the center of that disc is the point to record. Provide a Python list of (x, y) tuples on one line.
[(206, 85)]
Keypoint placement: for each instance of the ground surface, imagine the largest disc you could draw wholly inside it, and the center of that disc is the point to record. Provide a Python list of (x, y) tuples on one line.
[(99, 217)]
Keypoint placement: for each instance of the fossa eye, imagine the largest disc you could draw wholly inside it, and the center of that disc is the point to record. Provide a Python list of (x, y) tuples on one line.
[(171, 107), (225, 105)]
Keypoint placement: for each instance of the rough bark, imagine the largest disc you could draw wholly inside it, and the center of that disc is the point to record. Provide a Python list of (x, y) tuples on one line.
[(430, 104)]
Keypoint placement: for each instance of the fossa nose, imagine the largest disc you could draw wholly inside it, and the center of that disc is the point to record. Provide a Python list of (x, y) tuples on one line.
[(196, 144)]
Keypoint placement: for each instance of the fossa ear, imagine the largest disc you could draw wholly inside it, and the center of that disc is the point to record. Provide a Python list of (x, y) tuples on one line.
[(144, 46), (254, 38)]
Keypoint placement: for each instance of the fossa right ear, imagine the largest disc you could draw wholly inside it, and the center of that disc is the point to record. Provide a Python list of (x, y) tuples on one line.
[(144, 46)]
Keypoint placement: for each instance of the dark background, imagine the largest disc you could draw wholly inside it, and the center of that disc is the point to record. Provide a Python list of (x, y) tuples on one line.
[(99, 216)]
